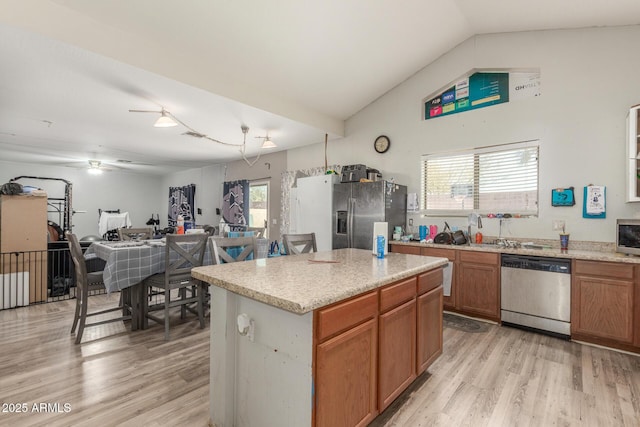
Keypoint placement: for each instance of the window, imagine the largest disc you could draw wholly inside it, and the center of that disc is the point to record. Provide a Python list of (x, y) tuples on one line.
[(259, 204), (498, 179)]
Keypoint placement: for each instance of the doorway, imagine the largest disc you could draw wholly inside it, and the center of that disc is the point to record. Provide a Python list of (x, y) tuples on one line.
[(259, 205)]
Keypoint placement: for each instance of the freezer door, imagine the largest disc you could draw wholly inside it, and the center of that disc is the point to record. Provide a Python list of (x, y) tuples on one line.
[(368, 207), (340, 217), (395, 206)]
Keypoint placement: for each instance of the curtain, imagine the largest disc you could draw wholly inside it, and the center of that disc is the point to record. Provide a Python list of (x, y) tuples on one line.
[(235, 204), (182, 202)]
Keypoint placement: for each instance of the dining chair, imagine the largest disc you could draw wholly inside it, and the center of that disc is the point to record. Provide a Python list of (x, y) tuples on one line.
[(295, 244), (257, 231), (248, 231), (85, 283), (135, 233), (211, 230), (231, 249), (182, 253)]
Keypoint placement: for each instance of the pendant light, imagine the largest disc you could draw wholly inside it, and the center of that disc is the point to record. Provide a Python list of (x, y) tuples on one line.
[(268, 143), (164, 121)]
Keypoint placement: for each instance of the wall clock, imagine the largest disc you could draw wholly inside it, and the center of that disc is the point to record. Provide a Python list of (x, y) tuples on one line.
[(382, 144)]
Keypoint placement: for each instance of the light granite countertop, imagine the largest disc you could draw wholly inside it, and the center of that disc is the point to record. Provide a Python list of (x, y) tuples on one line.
[(306, 282), (554, 252)]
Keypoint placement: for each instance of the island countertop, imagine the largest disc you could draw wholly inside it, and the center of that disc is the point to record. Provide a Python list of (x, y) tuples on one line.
[(306, 282)]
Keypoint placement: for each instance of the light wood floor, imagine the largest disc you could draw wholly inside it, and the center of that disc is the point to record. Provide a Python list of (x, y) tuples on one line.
[(493, 376)]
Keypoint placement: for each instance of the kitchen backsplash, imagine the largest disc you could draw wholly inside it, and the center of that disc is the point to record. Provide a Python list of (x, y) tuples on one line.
[(576, 245)]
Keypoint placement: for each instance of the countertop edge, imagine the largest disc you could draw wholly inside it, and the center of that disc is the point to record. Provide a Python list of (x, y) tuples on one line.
[(554, 253), (298, 308)]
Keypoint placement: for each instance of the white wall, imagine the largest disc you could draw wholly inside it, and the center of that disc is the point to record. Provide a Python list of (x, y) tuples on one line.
[(136, 194), (143, 195), (208, 181), (269, 168), (589, 81)]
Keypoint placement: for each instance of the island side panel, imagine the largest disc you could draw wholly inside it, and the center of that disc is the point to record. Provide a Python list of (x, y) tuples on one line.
[(222, 349), (271, 376)]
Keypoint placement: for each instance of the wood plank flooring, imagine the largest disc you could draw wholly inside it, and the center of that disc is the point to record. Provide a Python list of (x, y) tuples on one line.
[(487, 376), (115, 377), (501, 376)]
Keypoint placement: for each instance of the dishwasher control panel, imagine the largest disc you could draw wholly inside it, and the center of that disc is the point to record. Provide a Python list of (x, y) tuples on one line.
[(526, 262)]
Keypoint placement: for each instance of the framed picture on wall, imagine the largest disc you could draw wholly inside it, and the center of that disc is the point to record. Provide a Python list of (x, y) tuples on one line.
[(563, 197)]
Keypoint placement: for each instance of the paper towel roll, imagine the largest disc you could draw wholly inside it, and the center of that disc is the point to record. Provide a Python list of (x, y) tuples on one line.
[(380, 228)]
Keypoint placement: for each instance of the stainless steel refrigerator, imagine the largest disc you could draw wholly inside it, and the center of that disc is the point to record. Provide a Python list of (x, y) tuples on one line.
[(357, 205)]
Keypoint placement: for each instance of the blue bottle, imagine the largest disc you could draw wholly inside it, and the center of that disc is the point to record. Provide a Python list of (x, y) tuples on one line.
[(380, 246)]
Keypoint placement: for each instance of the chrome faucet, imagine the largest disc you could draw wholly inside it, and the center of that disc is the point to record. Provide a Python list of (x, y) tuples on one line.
[(479, 226)]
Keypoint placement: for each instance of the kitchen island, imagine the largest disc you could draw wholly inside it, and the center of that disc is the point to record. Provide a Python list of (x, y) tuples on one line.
[(318, 334)]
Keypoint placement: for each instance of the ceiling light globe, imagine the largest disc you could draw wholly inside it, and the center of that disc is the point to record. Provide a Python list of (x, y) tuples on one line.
[(165, 122), (268, 144)]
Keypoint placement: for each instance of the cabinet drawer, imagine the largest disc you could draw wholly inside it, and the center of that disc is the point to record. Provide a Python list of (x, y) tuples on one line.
[(442, 253), (344, 315), (429, 280), (604, 269), (404, 249), (479, 257), (393, 295)]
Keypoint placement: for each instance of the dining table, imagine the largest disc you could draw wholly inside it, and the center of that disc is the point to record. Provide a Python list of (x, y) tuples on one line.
[(127, 264)]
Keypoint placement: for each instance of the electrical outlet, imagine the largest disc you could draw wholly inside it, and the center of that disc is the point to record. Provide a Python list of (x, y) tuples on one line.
[(558, 225), (411, 222)]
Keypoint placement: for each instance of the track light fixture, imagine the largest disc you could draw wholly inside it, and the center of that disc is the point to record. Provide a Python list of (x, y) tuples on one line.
[(169, 120)]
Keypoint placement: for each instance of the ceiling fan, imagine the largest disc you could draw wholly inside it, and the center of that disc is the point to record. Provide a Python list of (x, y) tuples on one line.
[(98, 163), (96, 167)]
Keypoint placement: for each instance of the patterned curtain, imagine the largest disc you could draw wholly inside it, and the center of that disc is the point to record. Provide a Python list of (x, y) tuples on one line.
[(235, 204), (182, 202)]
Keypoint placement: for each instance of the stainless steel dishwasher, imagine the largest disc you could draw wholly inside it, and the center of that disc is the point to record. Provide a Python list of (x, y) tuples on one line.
[(536, 293)]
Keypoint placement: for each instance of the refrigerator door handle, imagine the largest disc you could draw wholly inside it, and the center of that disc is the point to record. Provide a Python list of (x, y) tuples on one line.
[(351, 214)]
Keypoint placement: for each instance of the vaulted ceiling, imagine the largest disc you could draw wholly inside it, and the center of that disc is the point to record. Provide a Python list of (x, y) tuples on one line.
[(292, 69)]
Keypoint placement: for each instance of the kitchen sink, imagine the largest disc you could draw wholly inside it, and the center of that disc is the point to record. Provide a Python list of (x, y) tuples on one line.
[(485, 245)]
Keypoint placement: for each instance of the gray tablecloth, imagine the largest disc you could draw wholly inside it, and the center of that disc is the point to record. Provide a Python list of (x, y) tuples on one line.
[(128, 263)]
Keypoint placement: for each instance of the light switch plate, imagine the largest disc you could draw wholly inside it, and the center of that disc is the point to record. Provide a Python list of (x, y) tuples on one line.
[(558, 225)]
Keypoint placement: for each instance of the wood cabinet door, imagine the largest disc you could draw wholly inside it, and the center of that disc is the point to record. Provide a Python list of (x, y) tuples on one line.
[(346, 377), (397, 352), (602, 308), (479, 290), (429, 331)]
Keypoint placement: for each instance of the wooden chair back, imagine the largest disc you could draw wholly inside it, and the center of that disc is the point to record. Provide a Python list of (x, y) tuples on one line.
[(190, 249), (257, 232), (78, 262), (135, 233), (219, 248), (295, 244), (86, 282)]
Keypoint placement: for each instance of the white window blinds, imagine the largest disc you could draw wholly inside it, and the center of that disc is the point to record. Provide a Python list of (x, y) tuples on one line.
[(498, 179)]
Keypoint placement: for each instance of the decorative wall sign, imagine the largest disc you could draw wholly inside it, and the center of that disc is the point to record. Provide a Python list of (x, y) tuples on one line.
[(482, 89), (594, 204), (563, 197)]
